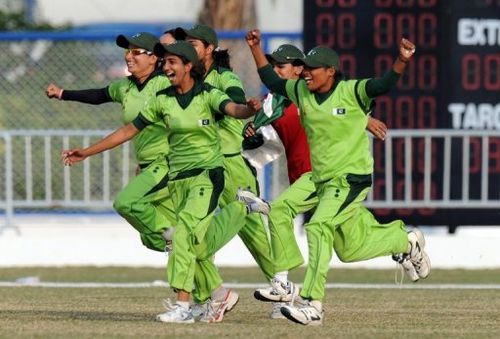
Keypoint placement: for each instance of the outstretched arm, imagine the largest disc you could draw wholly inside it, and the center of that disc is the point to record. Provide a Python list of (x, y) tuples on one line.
[(118, 137), (88, 96), (240, 111), (380, 86)]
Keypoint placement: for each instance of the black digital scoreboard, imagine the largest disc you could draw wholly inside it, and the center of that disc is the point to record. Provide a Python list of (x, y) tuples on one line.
[(452, 82)]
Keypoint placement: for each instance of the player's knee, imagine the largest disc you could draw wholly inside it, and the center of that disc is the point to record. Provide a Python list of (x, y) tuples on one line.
[(122, 206), (344, 257)]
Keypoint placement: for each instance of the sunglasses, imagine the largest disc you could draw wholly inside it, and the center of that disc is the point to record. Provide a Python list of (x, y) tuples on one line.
[(137, 51)]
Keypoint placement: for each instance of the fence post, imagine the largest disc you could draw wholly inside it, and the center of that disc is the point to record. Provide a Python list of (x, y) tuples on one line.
[(9, 192)]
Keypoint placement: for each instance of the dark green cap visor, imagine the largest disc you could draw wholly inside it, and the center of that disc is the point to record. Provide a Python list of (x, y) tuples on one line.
[(141, 40), (321, 56)]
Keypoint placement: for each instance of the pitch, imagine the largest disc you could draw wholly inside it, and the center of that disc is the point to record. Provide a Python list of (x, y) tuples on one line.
[(350, 312)]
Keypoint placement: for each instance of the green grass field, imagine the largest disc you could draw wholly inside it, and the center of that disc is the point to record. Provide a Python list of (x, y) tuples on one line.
[(44, 312)]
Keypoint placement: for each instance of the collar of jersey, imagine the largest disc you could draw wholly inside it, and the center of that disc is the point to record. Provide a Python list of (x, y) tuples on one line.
[(151, 76), (171, 92), (321, 97), (184, 99)]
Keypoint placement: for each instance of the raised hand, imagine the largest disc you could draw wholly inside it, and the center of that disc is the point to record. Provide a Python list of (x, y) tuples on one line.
[(253, 37), (406, 50), (53, 91)]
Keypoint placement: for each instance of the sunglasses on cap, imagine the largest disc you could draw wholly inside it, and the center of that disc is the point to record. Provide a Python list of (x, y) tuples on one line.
[(137, 51)]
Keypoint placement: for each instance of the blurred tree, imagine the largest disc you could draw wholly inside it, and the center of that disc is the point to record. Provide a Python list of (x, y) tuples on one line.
[(234, 15), (229, 15)]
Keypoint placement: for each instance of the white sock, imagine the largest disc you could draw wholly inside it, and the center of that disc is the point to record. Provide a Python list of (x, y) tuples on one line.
[(183, 304), (282, 276)]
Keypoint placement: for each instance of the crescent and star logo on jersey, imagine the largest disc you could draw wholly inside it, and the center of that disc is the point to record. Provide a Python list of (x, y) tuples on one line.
[(339, 111), (204, 122)]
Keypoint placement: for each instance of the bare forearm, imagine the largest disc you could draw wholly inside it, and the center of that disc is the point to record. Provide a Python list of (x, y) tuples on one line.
[(253, 40), (239, 111), (258, 56), (399, 65), (114, 139)]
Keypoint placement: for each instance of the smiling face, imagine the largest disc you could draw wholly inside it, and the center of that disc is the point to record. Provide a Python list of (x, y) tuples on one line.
[(140, 62), (319, 79), (175, 69)]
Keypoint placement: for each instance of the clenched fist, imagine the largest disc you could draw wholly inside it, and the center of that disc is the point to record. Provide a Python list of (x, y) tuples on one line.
[(406, 50), (253, 37), (53, 91)]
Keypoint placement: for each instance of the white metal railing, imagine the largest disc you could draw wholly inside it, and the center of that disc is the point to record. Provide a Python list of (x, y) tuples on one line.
[(442, 152), (438, 160), (34, 178)]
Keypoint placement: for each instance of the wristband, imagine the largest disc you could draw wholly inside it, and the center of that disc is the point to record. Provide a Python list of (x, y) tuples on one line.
[(59, 95)]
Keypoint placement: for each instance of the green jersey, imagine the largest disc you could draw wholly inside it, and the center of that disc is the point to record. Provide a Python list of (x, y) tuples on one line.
[(152, 142), (335, 126), (230, 128), (192, 132)]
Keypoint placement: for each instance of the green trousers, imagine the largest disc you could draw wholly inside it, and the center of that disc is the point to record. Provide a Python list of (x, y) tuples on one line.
[(146, 204), (195, 199), (299, 197), (343, 224), (238, 174), (224, 227)]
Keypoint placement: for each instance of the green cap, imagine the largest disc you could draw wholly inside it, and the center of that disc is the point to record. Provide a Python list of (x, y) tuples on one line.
[(200, 32), (286, 54), (142, 40), (179, 48), (321, 56)]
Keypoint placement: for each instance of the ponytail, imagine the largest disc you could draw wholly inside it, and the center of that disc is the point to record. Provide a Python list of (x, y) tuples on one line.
[(222, 58), (198, 70)]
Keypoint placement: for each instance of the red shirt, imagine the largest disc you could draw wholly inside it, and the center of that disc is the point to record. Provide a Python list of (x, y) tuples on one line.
[(294, 140)]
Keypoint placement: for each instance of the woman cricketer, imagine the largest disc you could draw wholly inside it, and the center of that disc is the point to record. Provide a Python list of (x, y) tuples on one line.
[(145, 201), (238, 172), (333, 112)]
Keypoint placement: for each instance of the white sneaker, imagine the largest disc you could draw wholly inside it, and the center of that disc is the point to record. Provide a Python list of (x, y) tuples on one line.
[(253, 202), (278, 292), (215, 310), (276, 312), (305, 313), (198, 310), (176, 314), (417, 255), (406, 265)]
